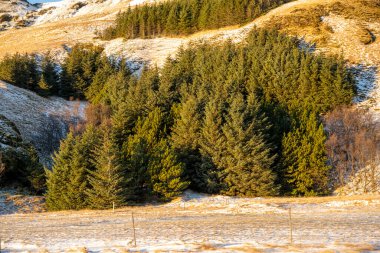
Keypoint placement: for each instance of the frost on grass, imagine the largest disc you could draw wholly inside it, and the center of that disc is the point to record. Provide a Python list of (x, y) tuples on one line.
[(365, 78), (203, 223)]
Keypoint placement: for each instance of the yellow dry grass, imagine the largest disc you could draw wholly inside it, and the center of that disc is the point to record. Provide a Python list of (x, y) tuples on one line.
[(348, 28), (302, 18)]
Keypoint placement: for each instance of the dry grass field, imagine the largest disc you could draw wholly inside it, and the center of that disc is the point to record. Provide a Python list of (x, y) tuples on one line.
[(348, 27), (202, 223)]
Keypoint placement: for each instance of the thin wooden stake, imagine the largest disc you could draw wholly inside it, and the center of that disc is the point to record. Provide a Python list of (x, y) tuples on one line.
[(134, 229), (290, 226), (113, 206)]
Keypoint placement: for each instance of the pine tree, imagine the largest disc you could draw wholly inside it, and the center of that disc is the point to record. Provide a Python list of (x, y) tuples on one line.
[(186, 128), (107, 181), (139, 149), (184, 21), (20, 70), (166, 173), (80, 165), (48, 84), (304, 154), (58, 177), (248, 159), (211, 174), (184, 138), (44, 89), (153, 167), (172, 20)]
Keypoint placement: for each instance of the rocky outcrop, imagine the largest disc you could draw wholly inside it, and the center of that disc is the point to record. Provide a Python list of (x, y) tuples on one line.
[(18, 159)]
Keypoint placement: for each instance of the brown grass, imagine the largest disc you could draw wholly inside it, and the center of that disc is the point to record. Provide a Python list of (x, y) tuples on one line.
[(365, 36), (301, 18), (77, 250), (354, 248), (207, 246)]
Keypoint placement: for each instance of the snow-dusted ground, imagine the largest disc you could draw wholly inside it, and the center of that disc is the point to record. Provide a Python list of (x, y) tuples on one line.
[(55, 11), (206, 223), (12, 201), (18, 11), (33, 115)]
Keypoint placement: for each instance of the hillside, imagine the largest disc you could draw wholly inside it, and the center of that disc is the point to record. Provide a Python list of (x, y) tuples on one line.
[(41, 121), (334, 28), (350, 29), (228, 140), (16, 14)]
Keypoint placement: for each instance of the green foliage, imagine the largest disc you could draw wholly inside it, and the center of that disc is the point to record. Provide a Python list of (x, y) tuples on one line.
[(269, 68), (79, 69), (217, 118), (107, 180), (153, 165), (49, 80), (305, 156), (68, 181), (180, 17), (248, 159), (166, 173), (96, 168), (20, 70), (58, 177)]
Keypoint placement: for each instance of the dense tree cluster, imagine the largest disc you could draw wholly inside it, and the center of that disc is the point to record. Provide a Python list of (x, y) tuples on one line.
[(80, 75), (20, 70), (85, 70), (236, 119), (179, 17), (96, 169)]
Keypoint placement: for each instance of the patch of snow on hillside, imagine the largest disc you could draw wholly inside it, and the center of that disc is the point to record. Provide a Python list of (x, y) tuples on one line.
[(139, 52), (39, 119), (71, 8), (139, 2), (365, 78)]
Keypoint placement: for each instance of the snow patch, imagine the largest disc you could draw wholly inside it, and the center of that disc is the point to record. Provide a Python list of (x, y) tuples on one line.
[(32, 114)]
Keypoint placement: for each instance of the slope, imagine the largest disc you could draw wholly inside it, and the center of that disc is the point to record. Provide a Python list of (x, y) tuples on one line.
[(41, 121), (15, 13), (350, 29)]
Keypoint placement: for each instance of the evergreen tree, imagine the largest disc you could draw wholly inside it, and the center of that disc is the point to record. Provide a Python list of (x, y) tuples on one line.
[(184, 17), (107, 181), (210, 175), (305, 156), (166, 173), (58, 177), (48, 84), (153, 165), (20, 70), (248, 160), (80, 166)]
